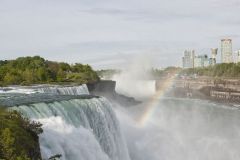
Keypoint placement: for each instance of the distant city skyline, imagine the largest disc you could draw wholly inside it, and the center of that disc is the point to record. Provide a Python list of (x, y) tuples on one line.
[(191, 59), (107, 34)]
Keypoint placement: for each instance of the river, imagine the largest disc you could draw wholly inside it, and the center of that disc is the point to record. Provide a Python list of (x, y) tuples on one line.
[(161, 128)]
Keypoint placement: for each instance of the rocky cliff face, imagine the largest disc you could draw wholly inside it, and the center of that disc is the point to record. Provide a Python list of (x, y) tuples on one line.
[(106, 88)]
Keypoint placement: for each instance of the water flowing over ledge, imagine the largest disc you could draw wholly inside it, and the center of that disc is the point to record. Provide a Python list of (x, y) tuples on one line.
[(66, 90), (24, 95), (17, 99), (76, 125), (46, 88), (78, 129)]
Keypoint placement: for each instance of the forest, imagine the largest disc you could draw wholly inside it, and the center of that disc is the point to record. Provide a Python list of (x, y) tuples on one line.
[(223, 70), (37, 70)]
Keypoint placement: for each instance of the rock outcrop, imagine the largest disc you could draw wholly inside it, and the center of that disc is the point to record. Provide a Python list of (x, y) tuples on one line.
[(106, 88)]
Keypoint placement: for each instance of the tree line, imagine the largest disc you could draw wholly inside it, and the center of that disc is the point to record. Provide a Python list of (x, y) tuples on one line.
[(36, 70), (223, 70)]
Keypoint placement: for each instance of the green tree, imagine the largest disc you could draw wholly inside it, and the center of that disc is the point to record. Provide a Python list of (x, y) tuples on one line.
[(7, 144), (18, 137), (32, 70)]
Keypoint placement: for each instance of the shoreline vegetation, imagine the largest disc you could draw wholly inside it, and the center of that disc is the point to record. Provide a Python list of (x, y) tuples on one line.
[(37, 70), (223, 70)]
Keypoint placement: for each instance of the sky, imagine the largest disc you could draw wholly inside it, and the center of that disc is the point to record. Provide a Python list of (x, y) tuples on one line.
[(108, 33)]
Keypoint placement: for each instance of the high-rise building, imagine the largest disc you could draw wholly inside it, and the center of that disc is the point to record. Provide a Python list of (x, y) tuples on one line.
[(188, 59), (198, 62), (201, 61), (213, 59), (238, 56), (206, 62), (226, 50)]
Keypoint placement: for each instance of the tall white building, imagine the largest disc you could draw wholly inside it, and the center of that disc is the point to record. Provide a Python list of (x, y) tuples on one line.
[(201, 61), (198, 62), (206, 62), (213, 59), (238, 56), (188, 59), (226, 50)]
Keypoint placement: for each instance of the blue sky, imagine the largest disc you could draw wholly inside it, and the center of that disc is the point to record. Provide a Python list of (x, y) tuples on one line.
[(107, 33)]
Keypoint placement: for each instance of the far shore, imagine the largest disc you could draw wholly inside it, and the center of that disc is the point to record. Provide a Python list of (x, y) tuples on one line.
[(224, 90)]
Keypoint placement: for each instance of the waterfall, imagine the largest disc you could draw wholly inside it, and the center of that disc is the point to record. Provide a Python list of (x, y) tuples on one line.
[(79, 129), (67, 90)]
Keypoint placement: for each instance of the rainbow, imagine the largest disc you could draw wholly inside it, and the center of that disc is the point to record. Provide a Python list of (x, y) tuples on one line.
[(154, 101)]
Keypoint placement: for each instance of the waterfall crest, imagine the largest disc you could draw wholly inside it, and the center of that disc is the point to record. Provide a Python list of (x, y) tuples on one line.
[(50, 89), (78, 129), (67, 90)]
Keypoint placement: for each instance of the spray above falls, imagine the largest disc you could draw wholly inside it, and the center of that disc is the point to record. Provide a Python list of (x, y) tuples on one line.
[(135, 79)]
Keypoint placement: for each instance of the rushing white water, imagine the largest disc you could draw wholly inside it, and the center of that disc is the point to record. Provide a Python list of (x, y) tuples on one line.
[(78, 129), (50, 89), (71, 142), (17, 89), (68, 90)]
